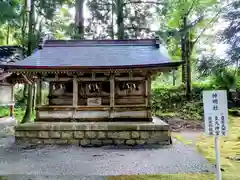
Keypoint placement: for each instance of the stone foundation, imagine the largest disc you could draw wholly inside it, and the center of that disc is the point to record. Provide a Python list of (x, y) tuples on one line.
[(93, 134)]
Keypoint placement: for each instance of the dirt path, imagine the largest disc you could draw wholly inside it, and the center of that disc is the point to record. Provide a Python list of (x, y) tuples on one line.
[(187, 129)]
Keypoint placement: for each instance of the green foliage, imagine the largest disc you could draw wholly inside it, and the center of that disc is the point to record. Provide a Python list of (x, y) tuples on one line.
[(4, 111), (166, 98), (230, 35), (225, 79), (20, 99), (18, 113), (9, 10)]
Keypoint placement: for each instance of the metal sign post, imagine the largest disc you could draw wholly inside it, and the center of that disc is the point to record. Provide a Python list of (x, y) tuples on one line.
[(217, 151), (216, 119)]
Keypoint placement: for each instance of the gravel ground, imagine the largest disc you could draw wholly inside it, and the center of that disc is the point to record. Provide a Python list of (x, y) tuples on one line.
[(71, 162), (31, 177), (6, 127), (59, 160)]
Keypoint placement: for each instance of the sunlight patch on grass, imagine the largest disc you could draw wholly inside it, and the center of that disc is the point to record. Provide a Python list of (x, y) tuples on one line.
[(180, 138)]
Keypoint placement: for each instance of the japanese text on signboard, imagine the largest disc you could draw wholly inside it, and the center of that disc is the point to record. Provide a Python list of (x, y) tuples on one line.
[(215, 112)]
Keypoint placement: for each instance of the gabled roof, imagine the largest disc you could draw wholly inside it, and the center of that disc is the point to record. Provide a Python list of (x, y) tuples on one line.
[(97, 54), (10, 54)]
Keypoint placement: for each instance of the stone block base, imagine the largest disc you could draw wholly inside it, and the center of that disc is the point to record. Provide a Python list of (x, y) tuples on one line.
[(91, 134)]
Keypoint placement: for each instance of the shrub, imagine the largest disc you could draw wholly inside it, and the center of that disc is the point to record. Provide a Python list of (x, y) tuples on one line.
[(173, 99)]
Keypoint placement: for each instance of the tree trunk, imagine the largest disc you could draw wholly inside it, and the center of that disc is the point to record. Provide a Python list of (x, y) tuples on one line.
[(8, 33), (34, 98), (28, 111), (30, 28), (183, 47), (120, 24), (174, 77), (23, 27), (189, 48), (24, 95), (79, 19), (112, 27)]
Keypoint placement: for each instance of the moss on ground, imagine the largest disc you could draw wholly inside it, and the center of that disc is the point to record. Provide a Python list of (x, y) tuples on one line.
[(172, 177), (229, 149)]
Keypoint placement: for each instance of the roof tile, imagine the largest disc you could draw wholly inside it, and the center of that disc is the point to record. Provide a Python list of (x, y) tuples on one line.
[(92, 53)]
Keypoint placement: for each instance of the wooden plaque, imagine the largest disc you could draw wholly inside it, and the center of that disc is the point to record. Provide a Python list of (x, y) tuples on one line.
[(94, 101)]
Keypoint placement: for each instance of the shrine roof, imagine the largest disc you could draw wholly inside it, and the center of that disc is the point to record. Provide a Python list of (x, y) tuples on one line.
[(96, 54), (10, 54)]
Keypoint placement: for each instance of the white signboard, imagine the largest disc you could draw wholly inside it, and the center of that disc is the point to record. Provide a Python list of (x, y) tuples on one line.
[(94, 101), (6, 98), (215, 112)]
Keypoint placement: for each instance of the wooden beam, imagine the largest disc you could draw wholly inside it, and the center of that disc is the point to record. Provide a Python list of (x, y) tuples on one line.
[(93, 78), (71, 107), (129, 78), (129, 105), (4, 76), (75, 91), (57, 79), (78, 79), (86, 70), (26, 79)]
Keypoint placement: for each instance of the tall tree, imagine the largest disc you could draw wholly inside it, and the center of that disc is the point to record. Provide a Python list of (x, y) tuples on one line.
[(122, 19), (185, 23), (231, 33), (79, 18), (28, 112)]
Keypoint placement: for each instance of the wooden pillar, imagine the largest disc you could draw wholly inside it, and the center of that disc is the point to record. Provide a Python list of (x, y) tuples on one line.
[(39, 92), (12, 103), (38, 96), (112, 95), (50, 92), (75, 91), (148, 96), (11, 110)]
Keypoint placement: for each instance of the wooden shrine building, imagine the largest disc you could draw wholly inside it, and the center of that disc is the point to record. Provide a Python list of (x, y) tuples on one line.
[(98, 92), (8, 54)]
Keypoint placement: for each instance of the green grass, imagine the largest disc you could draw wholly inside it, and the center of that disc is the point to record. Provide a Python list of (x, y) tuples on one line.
[(18, 113), (166, 177), (174, 177)]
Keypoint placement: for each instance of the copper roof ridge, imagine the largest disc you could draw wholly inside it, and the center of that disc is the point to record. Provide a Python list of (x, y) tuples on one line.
[(72, 43)]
